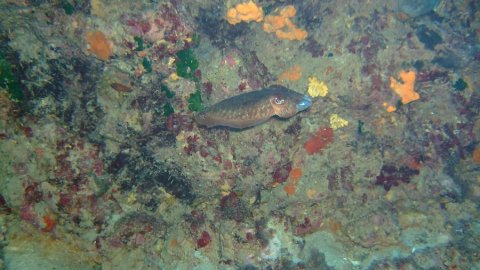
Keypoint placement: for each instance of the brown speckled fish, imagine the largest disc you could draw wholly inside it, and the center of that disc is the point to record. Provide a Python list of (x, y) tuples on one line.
[(253, 108)]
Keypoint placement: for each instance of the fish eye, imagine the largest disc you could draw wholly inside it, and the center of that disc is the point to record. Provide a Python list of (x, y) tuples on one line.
[(279, 101)]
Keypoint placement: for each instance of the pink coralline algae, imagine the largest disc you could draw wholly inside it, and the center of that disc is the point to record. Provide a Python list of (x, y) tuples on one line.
[(192, 145), (229, 61), (165, 24), (307, 227), (280, 174), (33, 194), (179, 122), (204, 239)]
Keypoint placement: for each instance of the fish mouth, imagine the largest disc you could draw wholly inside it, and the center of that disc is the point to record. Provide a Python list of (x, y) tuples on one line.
[(304, 103)]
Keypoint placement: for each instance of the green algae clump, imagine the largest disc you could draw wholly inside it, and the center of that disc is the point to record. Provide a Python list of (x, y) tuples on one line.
[(147, 64), (9, 81), (195, 101), (186, 64), (67, 7), (168, 93), (167, 109), (139, 45)]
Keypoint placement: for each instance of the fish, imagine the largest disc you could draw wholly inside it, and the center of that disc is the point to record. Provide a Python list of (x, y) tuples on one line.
[(253, 108)]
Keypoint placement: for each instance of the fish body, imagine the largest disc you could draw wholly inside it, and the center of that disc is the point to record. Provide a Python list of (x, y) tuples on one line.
[(252, 108)]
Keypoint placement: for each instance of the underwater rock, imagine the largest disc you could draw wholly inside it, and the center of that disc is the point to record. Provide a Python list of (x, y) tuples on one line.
[(417, 8), (148, 175), (136, 229), (428, 37), (460, 85), (232, 207), (447, 61), (391, 176)]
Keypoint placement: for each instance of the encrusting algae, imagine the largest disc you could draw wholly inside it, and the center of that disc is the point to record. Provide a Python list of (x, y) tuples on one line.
[(476, 156), (321, 139), (99, 45), (316, 88), (245, 12), (282, 26)]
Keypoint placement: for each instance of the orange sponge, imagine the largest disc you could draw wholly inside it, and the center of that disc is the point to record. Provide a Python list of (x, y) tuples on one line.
[(99, 45), (292, 74), (405, 88), (282, 26), (245, 12)]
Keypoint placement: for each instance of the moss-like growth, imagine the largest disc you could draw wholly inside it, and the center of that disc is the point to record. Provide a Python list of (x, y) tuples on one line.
[(195, 101), (169, 93), (195, 39), (167, 109), (147, 64), (460, 85), (186, 64), (9, 81), (360, 127), (398, 105)]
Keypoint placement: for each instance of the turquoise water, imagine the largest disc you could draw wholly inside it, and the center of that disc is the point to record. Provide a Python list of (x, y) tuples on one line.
[(375, 164)]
